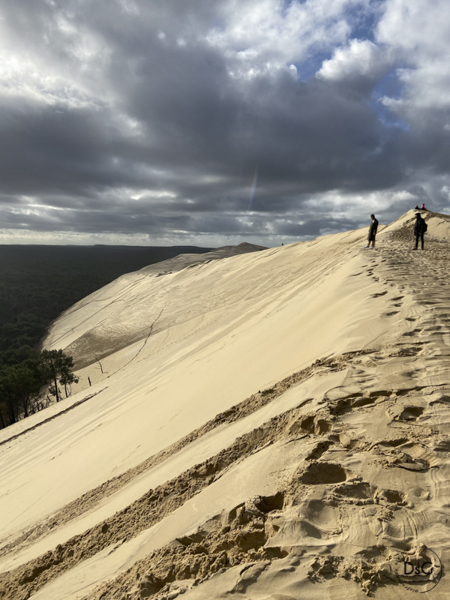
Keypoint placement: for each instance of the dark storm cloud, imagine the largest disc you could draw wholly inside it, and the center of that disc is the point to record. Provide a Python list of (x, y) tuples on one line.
[(50, 148), (128, 117)]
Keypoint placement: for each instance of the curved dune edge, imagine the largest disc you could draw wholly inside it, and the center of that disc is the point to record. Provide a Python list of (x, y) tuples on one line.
[(317, 498)]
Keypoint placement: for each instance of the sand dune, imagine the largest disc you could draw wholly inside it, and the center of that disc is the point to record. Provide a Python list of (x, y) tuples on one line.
[(273, 425)]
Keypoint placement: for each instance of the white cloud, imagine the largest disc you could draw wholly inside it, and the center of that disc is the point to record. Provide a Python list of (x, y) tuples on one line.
[(389, 203), (358, 58), (259, 35), (151, 194), (20, 79), (419, 33), (417, 27)]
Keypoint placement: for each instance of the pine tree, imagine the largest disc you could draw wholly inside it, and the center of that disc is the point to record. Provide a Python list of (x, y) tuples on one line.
[(57, 366)]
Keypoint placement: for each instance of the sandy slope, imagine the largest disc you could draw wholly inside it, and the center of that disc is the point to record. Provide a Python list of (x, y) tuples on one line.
[(333, 464)]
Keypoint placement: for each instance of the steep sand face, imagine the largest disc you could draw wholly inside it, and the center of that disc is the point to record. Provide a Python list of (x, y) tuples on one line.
[(273, 425), (134, 307)]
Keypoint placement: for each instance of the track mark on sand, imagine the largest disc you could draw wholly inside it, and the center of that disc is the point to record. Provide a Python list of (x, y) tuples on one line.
[(143, 513), (92, 498), (45, 421)]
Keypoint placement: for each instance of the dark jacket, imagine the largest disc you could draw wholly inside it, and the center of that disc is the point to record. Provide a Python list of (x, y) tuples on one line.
[(373, 229), (419, 227)]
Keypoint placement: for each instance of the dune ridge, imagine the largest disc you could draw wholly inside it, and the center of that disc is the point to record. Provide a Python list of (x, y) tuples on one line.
[(282, 433)]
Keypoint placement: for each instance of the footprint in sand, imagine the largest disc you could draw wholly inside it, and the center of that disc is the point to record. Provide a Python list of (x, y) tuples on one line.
[(318, 473), (355, 490), (390, 497), (411, 413), (379, 294), (413, 332), (406, 412), (391, 443)]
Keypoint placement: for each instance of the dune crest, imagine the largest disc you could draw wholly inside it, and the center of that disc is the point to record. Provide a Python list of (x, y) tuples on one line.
[(272, 425)]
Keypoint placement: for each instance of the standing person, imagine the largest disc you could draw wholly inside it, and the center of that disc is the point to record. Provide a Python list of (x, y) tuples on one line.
[(419, 229), (372, 232)]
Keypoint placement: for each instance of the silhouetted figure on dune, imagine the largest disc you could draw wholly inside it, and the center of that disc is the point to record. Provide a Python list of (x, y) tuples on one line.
[(420, 228), (372, 232)]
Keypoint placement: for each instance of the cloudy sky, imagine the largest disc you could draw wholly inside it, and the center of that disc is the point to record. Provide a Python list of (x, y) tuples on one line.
[(211, 122)]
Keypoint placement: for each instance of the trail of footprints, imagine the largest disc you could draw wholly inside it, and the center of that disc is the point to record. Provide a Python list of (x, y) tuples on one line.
[(322, 497), (425, 275)]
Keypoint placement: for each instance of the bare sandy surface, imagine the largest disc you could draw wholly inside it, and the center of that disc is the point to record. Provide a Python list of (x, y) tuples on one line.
[(272, 425)]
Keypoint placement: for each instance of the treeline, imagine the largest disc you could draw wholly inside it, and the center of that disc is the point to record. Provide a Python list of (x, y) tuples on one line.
[(37, 283), (21, 384)]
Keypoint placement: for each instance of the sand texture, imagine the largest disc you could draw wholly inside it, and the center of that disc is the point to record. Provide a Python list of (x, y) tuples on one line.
[(269, 425)]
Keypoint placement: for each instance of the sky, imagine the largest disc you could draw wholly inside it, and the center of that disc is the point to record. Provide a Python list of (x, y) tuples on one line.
[(199, 122)]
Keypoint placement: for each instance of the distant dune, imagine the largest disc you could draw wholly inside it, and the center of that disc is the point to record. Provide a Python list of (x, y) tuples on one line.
[(262, 424)]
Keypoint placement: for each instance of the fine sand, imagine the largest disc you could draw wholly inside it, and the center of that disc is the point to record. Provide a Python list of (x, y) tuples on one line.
[(272, 425)]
